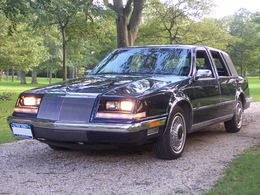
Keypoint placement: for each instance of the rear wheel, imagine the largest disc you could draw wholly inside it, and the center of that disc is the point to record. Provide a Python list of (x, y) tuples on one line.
[(172, 143), (234, 125)]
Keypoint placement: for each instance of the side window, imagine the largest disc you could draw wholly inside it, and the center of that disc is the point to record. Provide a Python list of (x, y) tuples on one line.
[(202, 61), (220, 65)]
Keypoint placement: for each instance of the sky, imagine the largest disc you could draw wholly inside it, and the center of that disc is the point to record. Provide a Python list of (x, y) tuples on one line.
[(229, 7)]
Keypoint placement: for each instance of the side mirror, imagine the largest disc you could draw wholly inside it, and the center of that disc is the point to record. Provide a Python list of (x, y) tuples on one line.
[(87, 72), (203, 73)]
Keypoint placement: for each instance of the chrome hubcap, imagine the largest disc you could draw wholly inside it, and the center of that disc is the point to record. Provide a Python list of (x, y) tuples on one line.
[(239, 114), (178, 133)]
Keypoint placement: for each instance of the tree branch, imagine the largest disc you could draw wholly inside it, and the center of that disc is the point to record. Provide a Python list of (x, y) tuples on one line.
[(128, 8), (109, 5)]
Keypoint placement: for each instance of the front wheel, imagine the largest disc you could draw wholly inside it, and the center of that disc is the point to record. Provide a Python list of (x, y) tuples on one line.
[(172, 143), (234, 125)]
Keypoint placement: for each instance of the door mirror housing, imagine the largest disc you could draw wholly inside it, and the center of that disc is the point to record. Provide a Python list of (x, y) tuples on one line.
[(203, 73)]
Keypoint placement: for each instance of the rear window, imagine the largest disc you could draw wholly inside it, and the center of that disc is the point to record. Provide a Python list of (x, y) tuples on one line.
[(220, 64)]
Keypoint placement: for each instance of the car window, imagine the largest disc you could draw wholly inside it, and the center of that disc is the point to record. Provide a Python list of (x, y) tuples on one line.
[(202, 61), (230, 64), (174, 61), (220, 65)]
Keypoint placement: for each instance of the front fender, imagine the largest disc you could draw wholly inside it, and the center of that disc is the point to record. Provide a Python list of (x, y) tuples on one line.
[(184, 102)]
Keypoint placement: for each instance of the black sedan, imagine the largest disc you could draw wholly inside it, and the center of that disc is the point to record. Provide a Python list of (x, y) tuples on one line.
[(137, 95)]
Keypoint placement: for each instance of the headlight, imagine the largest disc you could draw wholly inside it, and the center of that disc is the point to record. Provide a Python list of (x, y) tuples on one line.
[(112, 105), (31, 101), (126, 105), (118, 109), (119, 105), (28, 104)]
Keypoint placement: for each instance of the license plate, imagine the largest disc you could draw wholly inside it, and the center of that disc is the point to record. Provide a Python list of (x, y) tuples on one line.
[(22, 130)]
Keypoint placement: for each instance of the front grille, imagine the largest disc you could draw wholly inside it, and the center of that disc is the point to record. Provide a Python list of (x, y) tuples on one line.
[(66, 109)]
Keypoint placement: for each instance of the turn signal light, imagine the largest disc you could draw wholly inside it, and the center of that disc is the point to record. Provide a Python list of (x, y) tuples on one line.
[(155, 123), (26, 110), (120, 115)]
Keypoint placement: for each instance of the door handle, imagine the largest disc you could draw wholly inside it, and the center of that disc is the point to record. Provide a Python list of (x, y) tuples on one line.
[(216, 87)]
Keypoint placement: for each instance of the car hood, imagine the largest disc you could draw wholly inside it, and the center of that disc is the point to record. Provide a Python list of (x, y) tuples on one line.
[(121, 85)]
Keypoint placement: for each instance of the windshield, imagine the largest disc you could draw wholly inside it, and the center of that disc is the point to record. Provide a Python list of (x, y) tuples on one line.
[(172, 61)]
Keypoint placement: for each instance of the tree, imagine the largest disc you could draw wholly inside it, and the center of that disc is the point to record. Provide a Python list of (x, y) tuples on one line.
[(174, 20), (12, 10), (30, 52), (244, 50), (21, 49), (211, 32), (256, 20), (60, 13), (87, 49), (126, 31)]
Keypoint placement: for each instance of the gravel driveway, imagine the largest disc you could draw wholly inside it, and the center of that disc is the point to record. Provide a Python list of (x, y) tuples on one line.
[(30, 167)]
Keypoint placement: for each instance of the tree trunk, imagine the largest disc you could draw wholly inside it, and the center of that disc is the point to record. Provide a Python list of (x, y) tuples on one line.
[(7, 74), (171, 38), (50, 80), (34, 77), (126, 34), (64, 54), (135, 21), (121, 24), (76, 73), (19, 75), (23, 80), (12, 74), (71, 73), (47, 73)]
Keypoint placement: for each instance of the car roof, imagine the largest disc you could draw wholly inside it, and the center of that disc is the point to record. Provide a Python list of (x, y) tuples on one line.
[(172, 46), (163, 46)]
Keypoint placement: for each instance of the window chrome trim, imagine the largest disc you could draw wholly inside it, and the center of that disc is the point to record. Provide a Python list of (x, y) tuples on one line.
[(207, 107), (228, 102)]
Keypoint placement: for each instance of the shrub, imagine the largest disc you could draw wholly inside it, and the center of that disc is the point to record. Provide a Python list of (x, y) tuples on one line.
[(6, 96)]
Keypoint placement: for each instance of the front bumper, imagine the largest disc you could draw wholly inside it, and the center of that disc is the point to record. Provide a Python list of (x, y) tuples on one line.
[(58, 132)]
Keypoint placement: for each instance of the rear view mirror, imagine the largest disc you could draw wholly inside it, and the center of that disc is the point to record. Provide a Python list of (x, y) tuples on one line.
[(203, 73)]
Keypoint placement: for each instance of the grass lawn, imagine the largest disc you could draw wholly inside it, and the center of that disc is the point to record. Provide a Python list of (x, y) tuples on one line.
[(6, 107), (242, 176), (16, 87), (254, 88)]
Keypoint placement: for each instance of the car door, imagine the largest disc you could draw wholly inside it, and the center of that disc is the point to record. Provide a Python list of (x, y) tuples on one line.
[(228, 84), (206, 105)]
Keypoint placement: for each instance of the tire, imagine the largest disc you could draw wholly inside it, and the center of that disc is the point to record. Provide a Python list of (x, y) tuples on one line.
[(234, 125), (171, 145), (58, 148)]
